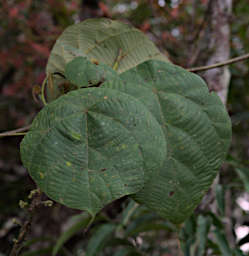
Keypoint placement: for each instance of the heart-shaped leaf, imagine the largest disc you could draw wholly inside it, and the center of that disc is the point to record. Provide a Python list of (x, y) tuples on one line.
[(197, 130), (92, 146), (102, 41)]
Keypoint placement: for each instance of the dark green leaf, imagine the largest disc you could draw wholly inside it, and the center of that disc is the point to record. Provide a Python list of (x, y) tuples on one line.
[(150, 226), (203, 226), (127, 251), (220, 198), (99, 239), (243, 173), (81, 222), (197, 130), (86, 149), (222, 243), (44, 251)]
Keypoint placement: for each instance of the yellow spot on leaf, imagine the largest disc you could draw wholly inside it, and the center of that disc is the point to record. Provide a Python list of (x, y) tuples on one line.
[(68, 163), (41, 175), (94, 61), (123, 146), (76, 136)]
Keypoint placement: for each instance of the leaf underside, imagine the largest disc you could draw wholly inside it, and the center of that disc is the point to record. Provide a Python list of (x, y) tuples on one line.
[(102, 40)]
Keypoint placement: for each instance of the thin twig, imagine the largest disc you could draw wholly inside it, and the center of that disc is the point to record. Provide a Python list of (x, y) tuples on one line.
[(220, 64), (15, 132), (25, 229)]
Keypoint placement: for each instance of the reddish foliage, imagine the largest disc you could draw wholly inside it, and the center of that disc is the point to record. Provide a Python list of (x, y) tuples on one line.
[(104, 9), (28, 30), (175, 12), (204, 1), (13, 12), (40, 49)]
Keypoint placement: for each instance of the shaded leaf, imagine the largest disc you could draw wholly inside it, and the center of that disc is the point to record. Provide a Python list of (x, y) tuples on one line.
[(243, 173), (220, 198), (222, 243), (43, 251), (150, 226), (203, 227), (127, 251), (99, 239), (197, 130), (81, 223)]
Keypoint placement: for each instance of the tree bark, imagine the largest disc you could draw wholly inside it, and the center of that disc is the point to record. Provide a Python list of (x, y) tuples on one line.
[(217, 37), (216, 42)]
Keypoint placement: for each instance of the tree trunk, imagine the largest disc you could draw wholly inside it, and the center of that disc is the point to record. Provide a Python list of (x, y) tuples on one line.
[(218, 45), (216, 42)]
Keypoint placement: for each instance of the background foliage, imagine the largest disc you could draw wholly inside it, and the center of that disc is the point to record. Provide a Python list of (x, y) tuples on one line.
[(28, 30)]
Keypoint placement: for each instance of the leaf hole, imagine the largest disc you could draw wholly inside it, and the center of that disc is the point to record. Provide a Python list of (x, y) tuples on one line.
[(171, 193)]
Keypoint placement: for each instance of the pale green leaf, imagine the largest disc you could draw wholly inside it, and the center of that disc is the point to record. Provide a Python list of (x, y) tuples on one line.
[(103, 40)]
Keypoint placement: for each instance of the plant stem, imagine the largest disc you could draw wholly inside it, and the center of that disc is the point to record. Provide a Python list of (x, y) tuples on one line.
[(43, 91), (220, 64), (118, 59), (16, 132), (18, 243)]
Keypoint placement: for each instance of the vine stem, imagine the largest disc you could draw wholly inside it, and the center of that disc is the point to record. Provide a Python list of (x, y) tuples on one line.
[(118, 59), (43, 91), (220, 64), (19, 131), (16, 132)]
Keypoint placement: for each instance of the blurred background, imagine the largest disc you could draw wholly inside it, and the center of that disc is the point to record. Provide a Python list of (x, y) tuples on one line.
[(182, 29)]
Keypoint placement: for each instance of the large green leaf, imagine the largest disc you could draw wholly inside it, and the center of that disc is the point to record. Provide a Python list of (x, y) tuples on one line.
[(92, 146), (197, 130), (103, 40)]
